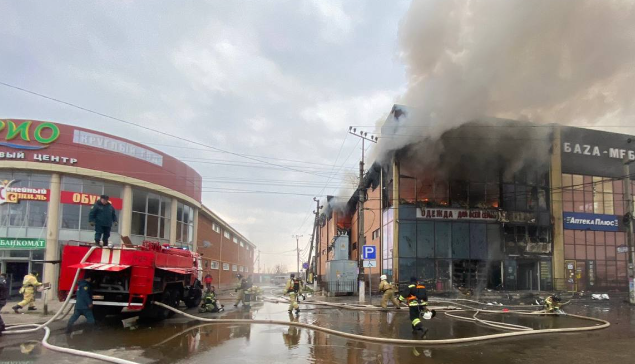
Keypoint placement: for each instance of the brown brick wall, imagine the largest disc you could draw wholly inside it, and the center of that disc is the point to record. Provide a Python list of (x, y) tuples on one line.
[(222, 250)]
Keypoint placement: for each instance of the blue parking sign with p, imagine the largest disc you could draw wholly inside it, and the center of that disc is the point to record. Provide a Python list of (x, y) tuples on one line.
[(369, 252)]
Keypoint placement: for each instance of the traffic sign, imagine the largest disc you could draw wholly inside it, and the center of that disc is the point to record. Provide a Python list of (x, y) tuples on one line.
[(369, 252), (370, 264), (305, 266)]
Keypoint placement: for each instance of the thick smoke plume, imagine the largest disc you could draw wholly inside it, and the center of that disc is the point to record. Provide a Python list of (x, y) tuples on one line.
[(564, 61)]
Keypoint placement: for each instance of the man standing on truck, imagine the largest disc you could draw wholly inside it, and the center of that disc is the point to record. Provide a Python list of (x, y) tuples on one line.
[(293, 288), (83, 304), (102, 216), (29, 285)]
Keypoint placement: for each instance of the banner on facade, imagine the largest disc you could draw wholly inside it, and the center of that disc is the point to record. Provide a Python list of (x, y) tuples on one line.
[(78, 198), (456, 214), (598, 222), (22, 243), (10, 194)]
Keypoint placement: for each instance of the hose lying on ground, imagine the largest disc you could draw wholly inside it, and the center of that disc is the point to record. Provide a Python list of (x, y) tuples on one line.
[(380, 340), (30, 328)]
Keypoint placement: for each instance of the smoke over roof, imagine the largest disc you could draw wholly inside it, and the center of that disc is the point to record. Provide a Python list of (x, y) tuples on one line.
[(566, 61)]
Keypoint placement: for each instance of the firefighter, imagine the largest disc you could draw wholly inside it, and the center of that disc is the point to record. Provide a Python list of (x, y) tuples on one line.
[(552, 304), (102, 216), (29, 285), (239, 289), (416, 297), (4, 296), (293, 288), (388, 293), (210, 303), (83, 304)]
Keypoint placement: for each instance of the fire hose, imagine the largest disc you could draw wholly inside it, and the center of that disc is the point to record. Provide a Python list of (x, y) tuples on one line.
[(525, 331), (30, 328)]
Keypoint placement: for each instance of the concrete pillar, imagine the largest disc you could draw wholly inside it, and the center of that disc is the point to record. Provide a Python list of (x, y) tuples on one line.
[(125, 219), (173, 223), (555, 174), (395, 222), (50, 274), (195, 230)]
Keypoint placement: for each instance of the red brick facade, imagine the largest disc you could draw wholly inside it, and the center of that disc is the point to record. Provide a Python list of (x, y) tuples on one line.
[(218, 250)]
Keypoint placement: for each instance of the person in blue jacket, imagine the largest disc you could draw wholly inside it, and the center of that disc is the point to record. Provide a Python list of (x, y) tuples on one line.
[(83, 304), (102, 216)]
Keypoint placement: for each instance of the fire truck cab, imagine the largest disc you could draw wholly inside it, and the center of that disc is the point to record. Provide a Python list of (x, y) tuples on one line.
[(129, 278)]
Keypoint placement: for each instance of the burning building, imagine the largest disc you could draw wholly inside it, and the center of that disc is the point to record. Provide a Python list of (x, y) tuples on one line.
[(492, 203)]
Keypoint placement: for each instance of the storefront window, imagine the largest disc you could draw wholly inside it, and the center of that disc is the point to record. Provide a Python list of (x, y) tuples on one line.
[(76, 216), (150, 215), (24, 213), (592, 194), (185, 224)]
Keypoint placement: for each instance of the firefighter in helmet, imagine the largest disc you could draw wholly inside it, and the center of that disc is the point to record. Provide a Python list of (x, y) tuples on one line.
[(552, 304), (29, 285), (417, 299), (210, 303), (240, 290), (388, 293), (293, 288)]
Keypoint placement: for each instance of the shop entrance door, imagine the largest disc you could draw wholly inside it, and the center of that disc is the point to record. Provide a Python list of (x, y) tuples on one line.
[(15, 274), (528, 276)]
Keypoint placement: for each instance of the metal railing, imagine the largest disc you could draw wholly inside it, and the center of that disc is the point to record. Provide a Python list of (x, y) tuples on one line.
[(340, 287)]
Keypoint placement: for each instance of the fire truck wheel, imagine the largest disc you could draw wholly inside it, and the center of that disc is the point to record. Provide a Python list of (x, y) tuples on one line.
[(166, 299), (175, 300), (194, 299)]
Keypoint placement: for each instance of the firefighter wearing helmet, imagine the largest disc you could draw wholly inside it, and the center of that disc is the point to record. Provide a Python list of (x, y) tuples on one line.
[(417, 299), (293, 288), (388, 293)]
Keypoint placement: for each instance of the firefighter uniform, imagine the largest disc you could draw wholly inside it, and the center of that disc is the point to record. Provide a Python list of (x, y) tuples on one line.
[(293, 288), (552, 304), (29, 285), (83, 304), (210, 303), (239, 290), (388, 293), (417, 299)]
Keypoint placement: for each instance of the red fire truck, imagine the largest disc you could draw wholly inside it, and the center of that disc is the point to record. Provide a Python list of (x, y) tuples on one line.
[(129, 278)]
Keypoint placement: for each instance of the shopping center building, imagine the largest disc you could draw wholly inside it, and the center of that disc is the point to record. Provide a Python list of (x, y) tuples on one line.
[(51, 174), (493, 204)]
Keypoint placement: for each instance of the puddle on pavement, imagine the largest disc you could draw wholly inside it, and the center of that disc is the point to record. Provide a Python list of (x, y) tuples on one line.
[(180, 340)]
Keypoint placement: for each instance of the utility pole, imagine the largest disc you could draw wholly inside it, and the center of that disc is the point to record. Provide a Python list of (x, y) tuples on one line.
[(628, 220), (297, 250), (314, 235), (361, 240), (258, 258)]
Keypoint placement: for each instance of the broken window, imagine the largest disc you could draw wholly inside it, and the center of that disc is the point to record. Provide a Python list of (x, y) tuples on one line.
[(458, 194)]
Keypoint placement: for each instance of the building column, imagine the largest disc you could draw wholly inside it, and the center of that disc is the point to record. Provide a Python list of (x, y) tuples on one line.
[(555, 174), (125, 220), (395, 222), (173, 217), (195, 231), (50, 273)]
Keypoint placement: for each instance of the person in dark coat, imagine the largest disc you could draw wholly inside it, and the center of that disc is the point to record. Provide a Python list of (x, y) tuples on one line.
[(102, 216), (4, 296), (83, 303)]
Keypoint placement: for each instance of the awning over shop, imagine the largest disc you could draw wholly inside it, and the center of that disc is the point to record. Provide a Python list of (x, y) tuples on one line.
[(101, 266)]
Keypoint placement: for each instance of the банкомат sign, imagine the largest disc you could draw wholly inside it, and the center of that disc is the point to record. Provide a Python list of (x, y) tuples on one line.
[(580, 221), (22, 243)]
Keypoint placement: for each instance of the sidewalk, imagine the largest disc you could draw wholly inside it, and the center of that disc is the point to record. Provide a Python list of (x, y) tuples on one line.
[(26, 316)]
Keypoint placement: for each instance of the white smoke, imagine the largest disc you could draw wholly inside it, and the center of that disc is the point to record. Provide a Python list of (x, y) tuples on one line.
[(563, 61)]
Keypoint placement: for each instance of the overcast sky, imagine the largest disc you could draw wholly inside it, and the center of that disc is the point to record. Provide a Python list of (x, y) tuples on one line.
[(278, 80)]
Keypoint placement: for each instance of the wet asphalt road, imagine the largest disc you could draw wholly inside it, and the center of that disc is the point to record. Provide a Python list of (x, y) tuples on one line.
[(180, 340)]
